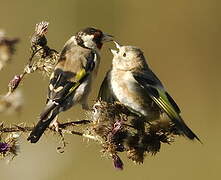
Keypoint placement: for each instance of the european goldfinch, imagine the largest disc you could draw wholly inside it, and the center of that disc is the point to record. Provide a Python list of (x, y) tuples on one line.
[(70, 83)]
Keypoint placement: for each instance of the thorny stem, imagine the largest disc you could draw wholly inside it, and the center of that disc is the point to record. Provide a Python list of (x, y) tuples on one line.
[(62, 128), (90, 137), (61, 131), (63, 125), (73, 132)]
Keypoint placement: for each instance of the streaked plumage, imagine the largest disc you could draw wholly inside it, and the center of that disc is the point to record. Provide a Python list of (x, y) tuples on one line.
[(70, 83), (132, 83)]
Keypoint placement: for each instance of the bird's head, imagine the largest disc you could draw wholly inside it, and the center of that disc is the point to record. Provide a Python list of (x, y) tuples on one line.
[(92, 38), (128, 57)]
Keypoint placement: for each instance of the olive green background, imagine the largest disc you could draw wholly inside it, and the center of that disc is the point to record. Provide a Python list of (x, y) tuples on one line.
[(180, 38)]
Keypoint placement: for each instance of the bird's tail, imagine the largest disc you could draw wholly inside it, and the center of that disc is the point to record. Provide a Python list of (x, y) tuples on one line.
[(185, 130), (46, 117)]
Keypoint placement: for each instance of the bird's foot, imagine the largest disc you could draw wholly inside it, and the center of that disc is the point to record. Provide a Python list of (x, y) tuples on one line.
[(55, 124), (85, 106)]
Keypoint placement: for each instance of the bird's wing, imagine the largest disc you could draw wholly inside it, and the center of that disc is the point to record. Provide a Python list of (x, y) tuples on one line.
[(154, 88), (72, 69), (105, 92), (149, 79)]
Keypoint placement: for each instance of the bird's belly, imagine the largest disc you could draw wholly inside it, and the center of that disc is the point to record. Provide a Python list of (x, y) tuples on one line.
[(83, 90), (131, 94)]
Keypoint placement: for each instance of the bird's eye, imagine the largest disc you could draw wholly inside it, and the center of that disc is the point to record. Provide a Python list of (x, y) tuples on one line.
[(124, 54)]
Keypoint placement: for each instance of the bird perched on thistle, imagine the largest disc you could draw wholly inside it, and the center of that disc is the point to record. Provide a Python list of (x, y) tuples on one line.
[(132, 83), (70, 83)]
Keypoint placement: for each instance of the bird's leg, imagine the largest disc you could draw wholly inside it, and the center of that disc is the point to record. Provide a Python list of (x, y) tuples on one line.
[(55, 124), (60, 149), (84, 105)]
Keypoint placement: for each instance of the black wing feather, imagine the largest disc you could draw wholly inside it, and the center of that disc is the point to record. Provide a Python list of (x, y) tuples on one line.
[(105, 92)]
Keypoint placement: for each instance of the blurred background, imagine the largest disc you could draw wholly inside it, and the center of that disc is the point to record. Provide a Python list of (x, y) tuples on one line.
[(181, 40)]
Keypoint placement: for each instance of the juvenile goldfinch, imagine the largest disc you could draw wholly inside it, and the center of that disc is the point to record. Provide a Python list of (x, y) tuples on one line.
[(70, 83), (132, 83)]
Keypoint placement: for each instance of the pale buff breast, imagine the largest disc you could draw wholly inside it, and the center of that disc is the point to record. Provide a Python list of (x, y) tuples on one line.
[(132, 95)]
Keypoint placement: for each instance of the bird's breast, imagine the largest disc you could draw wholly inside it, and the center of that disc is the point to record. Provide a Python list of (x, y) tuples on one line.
[(128, 91)]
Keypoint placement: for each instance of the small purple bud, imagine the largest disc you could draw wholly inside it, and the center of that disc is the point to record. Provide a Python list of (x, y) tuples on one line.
[(13, 84), (4, 147), (118, 163)]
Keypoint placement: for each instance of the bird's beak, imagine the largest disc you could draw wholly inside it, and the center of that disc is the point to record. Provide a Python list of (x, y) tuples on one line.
[(106, 38), (118, 46), (113, 51)]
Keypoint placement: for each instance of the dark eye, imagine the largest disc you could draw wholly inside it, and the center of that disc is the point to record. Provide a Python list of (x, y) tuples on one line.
[(124, 54)]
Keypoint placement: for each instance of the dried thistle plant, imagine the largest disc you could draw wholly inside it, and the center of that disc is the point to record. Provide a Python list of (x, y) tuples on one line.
[(46, 57), (118, 130), (7, 48), (42, 58), (115, 128), (9, 147)]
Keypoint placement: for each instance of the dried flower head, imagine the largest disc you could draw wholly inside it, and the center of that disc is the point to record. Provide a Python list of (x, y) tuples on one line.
[(41, 28), (2, 34), (10, 146), (118, 163), (46, 57), (38, 38), (11, 102), (4, 147), (7, 48), (46, 65), (119, 130)]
